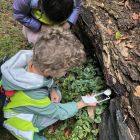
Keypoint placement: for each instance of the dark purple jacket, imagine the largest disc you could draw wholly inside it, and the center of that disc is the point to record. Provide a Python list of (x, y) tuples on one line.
[(22, 13)]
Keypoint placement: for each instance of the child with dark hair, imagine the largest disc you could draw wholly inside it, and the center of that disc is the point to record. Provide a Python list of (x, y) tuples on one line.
[(34, 14), (36, 103)]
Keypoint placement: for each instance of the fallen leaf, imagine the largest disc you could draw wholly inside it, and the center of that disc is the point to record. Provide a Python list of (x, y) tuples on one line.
[(128, 58), (51, 129), (137, 93), (109, 21), (98, 17), (67, 132), (91, 111), (124, 37), (137, 88), (121, 3), (117, 42), (135, 16), (127, 5), (130, 46), (109, 31)]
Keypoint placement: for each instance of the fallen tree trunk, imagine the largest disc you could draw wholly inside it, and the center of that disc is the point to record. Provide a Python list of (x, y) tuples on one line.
[(113, 33)]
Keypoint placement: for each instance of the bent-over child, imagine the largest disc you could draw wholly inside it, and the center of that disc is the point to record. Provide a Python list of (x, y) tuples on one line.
[(34, 14), (36, 102)]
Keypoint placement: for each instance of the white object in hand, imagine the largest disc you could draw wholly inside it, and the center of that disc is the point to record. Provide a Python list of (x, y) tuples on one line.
[(92, 99), (89, 99), (107, 92)]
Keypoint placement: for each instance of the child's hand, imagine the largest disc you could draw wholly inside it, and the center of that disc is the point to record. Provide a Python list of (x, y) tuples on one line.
[(81, 104), (66, 26), (54, 96)]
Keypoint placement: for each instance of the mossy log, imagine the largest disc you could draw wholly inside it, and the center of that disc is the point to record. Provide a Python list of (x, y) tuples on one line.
[(112, 32)]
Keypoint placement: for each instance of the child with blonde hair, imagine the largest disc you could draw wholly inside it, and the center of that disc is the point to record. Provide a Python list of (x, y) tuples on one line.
[(36, 102)]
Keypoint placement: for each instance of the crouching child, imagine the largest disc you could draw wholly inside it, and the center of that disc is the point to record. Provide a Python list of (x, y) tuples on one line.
[(36, 102)]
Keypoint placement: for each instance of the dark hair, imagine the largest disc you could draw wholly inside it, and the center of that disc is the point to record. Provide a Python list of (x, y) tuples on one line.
[(57, 10)]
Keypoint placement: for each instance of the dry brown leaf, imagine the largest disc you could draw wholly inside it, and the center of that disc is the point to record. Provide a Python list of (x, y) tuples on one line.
[(91, 111), (128, 58), (135, 16), (127, 5), (137, 89), (98, 17), (51, 129), (130, 46), (122, 38), (109, 31), (121, 3), (109, 21), (117, 42), (67, 132)]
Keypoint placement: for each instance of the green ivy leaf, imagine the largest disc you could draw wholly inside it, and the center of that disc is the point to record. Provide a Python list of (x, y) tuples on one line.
[(95, 132), (98, 111), (97, 119)]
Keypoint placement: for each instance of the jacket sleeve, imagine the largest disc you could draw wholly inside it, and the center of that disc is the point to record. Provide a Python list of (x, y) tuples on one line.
[(57, 111), (74, 16), (22, 13)]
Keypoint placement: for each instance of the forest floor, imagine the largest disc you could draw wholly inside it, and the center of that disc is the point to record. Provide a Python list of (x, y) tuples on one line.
[(11, 38)]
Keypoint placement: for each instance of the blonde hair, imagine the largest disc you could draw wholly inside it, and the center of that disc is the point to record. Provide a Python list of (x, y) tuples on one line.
[(57, 49)]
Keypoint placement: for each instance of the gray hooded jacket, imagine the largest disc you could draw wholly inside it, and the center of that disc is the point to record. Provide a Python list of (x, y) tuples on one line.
[(15, 77)]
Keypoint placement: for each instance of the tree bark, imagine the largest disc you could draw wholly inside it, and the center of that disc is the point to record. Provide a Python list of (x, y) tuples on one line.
[(112, 32)]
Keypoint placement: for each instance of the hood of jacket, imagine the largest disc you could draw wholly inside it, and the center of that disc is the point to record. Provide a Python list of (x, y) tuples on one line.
[(16, 77)]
